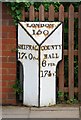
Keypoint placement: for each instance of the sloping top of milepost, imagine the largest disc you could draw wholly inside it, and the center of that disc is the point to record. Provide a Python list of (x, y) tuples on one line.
[(40, 31)]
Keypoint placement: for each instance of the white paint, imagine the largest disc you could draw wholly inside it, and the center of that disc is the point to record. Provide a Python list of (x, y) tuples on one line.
[(41, 37), (31, 66), (48, 83)]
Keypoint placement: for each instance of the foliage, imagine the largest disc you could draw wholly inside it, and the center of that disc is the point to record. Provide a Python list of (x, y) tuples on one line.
[(17, 87), (76, 71), (72, 101), (46, 5), (63, 98), (60, 96), (15, 10), (14, 50), (17, 7)]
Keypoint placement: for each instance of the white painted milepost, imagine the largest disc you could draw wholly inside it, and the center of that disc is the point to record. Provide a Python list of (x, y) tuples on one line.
[(39, 51), (50, 56), (29, 59)]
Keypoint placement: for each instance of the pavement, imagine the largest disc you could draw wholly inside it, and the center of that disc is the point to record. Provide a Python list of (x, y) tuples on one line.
[(80, 112), (42, 112)]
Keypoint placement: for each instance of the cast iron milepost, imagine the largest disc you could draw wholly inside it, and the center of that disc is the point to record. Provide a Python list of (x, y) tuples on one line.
[(39, 51)]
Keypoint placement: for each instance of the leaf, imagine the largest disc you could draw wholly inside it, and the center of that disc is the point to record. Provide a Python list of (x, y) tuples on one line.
[(18, 12), (18, 17), (13, 8)]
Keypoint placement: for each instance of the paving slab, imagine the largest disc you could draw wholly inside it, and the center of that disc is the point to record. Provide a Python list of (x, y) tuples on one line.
[(80, 112), (57, 112), (0, 112), (40, 118), (56, 108), (43, 112), (53, 114), (15, 112)]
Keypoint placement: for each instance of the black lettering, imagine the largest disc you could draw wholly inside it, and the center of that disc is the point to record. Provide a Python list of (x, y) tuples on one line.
[(42, 48), (26, 47), (44, 73), (30, 56), (33, 32), (52, 47), (33, 25), (57, 55), (20, 46), (56, 46), (41, 25), (47, 25), (49, 56), (39, 32), (45, 32), (44, 63), (51, 64), (46, 47), (59, 46), (45, 56), (49, 74), (53, 55), (35, 47), (28, 25), (21, 55)]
